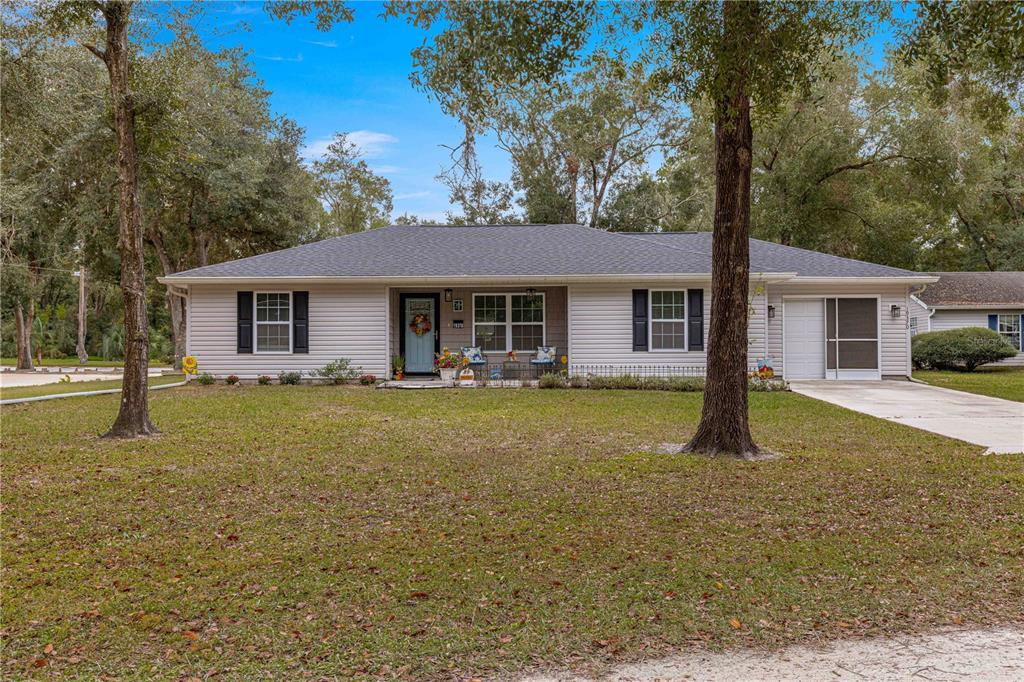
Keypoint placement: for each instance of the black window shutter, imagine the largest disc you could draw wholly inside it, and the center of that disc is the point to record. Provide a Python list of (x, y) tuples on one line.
[(639, 319), (244, 321), (695, 318), (300, 321)]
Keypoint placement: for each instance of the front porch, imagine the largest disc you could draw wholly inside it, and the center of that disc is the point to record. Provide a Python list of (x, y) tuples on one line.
[(424, 320)]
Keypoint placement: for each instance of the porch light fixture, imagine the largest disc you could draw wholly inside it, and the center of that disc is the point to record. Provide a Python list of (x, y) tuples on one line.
[(531, 294), (447, 295), (771, 312), (894, 310)]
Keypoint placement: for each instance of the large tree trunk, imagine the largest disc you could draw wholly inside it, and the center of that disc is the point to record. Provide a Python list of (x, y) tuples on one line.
[(23, 340), (133, 416), (724, 427), (83, 357)]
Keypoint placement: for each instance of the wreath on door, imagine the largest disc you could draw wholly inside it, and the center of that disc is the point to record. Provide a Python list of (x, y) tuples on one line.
[(420, 324)]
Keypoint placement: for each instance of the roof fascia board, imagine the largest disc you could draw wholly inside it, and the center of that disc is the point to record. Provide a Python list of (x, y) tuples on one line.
[(472, 279), (978, 306), (900, 279)]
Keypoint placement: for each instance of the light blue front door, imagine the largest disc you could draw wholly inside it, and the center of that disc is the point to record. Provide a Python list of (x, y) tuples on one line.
[(419, 348)]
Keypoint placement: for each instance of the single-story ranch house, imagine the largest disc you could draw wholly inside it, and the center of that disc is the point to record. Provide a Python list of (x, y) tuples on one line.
[(973, 299), (606, 302)]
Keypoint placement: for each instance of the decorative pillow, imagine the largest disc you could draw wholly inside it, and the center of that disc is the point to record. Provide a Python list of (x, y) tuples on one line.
[(546, 354), (473, 354)]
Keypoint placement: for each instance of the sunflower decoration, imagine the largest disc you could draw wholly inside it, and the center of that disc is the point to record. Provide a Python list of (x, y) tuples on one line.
[(420, 324), (189, 365)]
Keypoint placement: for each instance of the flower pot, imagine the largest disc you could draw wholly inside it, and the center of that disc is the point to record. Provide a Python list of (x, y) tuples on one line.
[(399, 376), (447, 374)]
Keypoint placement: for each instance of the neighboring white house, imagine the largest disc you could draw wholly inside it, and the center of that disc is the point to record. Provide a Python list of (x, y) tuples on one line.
[(607, 302), (973, 299)]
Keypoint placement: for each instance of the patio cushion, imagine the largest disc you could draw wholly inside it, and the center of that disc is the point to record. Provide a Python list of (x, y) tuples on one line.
[(545, 355), (473, 354)]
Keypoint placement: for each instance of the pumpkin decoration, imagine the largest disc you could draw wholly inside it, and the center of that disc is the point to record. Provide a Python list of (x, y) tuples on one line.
[(420, 324)]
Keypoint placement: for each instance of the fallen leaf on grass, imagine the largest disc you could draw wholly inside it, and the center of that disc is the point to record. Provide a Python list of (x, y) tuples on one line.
[(40, 663), (735, 623), (190, 634)]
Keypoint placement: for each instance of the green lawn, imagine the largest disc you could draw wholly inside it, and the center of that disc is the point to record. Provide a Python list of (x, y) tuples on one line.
[(999, 382), (77, 386), (345, 532), (73, 362)]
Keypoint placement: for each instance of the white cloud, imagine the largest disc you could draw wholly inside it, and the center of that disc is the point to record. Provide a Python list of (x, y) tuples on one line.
[(321, 43), (412, 195), (369, 143), (385, 169), (278, 58)]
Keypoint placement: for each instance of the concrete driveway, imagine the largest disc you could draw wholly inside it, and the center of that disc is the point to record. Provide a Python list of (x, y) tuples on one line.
[(994, 423)]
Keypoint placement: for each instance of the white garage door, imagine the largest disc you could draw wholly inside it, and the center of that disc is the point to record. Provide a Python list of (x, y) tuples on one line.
[(804, 325)]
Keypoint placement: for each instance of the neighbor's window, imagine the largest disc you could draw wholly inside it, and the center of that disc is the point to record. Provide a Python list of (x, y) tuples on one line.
[(1009, 327), (273, 322), (913, 326), (504, 322), (668, 320)]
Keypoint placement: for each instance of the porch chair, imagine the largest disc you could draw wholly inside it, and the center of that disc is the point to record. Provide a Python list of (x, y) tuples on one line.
[(545, 358), (475, 357)]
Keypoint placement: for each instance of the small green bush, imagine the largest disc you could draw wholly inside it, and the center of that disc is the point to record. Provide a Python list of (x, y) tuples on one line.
[(339, 371), (232, 380), (289, 378), (263, 380), (959, 349), (551, 380), (577, 381), (205, 379)]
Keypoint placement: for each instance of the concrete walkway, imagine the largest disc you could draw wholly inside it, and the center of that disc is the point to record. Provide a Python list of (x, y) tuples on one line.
[(993, 655), (994, 423), (12, 379)]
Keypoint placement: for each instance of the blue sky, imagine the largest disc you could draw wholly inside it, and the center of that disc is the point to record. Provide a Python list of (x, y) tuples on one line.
[(355, 78)]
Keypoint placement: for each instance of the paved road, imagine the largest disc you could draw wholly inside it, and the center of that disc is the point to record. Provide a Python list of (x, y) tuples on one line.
[(994, 423)]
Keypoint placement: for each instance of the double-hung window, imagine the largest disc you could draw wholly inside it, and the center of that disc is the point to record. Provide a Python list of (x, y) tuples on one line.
[(668, 320), (1009, 328), (273, 322), (505, 322)]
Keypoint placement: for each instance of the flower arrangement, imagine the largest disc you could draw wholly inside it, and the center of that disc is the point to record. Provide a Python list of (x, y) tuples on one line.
[(232, 379), (447, 360), (512, 356)]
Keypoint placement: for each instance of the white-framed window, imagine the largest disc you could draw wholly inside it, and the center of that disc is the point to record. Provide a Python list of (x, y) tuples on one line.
[(1009, 327), (504, 322), (273, 320), (913, 326), (668, 320)]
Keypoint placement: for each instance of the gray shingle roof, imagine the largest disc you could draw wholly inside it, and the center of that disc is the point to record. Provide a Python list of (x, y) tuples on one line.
[(522, 251), (975, 289)]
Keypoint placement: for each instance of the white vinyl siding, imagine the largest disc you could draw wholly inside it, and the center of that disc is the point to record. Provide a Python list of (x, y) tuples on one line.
[(601, 326), (345, 321)]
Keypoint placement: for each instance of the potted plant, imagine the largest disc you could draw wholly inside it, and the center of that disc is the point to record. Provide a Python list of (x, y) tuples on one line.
[(447, 364), (398, 367)]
